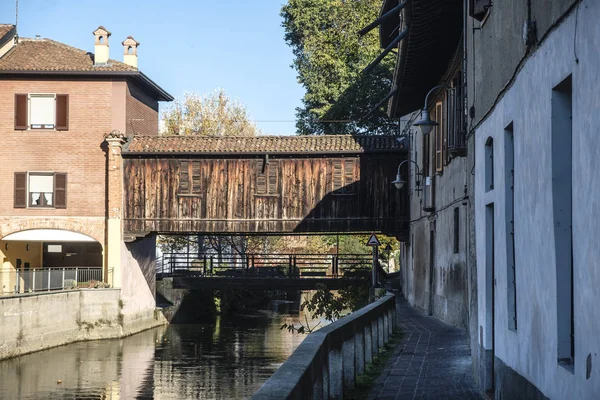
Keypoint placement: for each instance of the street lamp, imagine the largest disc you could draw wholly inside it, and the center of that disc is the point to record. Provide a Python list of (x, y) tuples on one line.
[(426, 124), (399, 182)]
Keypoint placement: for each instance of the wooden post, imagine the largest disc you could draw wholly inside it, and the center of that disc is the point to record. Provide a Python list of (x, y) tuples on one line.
[(211, 265)]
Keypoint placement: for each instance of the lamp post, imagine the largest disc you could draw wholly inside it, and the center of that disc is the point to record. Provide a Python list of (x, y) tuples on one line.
[(399, 182), (425, 123)]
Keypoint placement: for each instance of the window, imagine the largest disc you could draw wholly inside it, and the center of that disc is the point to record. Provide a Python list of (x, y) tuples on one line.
[(455, 119), (42, 111), (439, 141), (456, 230), (40, 189), (489, 164), (509, 192), (267, 176), (344, 176), (189, 178), (562, 202)]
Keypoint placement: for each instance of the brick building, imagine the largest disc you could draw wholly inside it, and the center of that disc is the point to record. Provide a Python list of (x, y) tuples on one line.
[(57, 105)]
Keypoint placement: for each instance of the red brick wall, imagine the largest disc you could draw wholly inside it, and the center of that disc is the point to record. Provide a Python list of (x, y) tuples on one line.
[(141, 112), (76, 151)]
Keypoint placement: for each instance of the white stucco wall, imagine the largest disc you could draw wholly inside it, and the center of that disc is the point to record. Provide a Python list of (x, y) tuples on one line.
[(532, 350)]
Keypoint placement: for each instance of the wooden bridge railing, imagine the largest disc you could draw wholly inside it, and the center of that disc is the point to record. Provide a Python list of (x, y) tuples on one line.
[(265, 265)]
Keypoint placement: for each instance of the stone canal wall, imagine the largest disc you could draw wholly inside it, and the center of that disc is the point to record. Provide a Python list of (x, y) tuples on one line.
[(329, 360), (32, 322)]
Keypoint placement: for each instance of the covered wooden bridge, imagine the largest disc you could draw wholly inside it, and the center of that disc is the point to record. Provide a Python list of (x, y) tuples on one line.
[(264, 184)]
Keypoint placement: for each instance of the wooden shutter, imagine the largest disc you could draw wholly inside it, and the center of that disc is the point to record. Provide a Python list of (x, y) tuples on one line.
[(261, 178), (62, 112), (348, 176), (273, 170), (184, 177), (444, 126), (20, 112), (439, 146), (20, 189), (196, 184), (60, 190), (338, 177)]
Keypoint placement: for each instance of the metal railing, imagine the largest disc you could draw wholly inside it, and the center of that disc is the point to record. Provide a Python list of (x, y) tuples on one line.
[(265, 265), (47, 278)]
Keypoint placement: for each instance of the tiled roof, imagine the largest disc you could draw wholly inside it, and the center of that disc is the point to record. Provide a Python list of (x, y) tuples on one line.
[(4, 29), (49, 55), (260, 144)]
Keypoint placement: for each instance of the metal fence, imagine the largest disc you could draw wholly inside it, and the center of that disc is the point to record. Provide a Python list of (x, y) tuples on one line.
[(48, 278), (263, 265)]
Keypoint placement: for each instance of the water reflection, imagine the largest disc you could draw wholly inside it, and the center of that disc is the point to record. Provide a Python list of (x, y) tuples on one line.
[(226, 360)]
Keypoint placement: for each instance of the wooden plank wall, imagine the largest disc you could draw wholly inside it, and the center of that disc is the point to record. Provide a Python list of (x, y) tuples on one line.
[(246, 195)]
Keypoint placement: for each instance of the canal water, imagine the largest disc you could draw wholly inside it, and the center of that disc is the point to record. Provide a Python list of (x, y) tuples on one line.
[(227, 359)]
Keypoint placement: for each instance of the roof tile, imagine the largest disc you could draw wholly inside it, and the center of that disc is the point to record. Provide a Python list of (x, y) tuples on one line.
[(260, 144), (49, 55)]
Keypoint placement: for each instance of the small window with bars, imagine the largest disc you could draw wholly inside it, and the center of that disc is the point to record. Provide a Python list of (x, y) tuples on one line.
[(267, 177), (190, 180), (344, 176), (455, 119)]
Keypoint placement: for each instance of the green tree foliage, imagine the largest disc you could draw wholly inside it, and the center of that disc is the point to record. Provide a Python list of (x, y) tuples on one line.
[(214, 114), (329, 59)]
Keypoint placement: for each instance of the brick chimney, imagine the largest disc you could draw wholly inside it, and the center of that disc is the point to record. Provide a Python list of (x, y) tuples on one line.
[(101, 46), (130, 51)]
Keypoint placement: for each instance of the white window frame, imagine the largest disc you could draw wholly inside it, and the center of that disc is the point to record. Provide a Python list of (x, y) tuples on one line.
[(30, 108), (40, 173)]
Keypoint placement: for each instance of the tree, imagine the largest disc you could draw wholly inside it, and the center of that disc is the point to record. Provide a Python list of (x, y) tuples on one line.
[(330, 57), (212, 115)]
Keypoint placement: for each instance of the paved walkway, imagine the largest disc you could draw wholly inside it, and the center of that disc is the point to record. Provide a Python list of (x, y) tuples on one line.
[(432, 362)]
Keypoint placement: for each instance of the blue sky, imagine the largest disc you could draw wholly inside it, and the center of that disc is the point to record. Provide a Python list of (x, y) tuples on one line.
[(186, 45)]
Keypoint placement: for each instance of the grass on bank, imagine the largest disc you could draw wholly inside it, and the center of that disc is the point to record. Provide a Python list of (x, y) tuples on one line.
[(365, 382)]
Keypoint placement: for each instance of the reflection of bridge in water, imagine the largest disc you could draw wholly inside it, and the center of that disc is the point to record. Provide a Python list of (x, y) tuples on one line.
[(265, 271)]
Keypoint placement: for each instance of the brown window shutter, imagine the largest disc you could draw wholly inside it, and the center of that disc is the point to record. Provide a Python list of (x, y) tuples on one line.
[(20, 189), (338, 177), (261, 179), (196, 184), (62, 112), (272, 171), (20, 112), (184, 177), (60, 190), (348, 176)]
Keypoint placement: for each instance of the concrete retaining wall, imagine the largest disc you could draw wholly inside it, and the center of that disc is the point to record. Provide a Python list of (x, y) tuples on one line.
[(329, 360), (33, 322)]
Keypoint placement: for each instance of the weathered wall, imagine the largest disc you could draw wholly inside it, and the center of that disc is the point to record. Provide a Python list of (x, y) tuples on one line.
[(138, 284), (440, 285), (301, 194), (120, 367), (38, 321), (495, 50), (531, 350)]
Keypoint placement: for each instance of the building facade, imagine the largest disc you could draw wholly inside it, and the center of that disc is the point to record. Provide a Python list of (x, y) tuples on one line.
[(535, 93), (57, 106), (526, 185)]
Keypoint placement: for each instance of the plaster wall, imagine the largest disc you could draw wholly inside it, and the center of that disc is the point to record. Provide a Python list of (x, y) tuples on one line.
[(531, 350), (441, 286), (138, 284), (495, 51)]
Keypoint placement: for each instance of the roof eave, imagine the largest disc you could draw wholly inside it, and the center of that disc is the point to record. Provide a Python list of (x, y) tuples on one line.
[(258, 153)]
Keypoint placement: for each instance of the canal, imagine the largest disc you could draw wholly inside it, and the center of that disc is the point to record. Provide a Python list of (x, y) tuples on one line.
[(227, 359)]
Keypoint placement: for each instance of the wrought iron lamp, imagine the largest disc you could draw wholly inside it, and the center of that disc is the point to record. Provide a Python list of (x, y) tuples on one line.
[(399, 182), (425, 123)]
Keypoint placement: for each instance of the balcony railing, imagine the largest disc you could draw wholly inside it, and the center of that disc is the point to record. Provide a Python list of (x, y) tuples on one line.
[(47, 279)]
